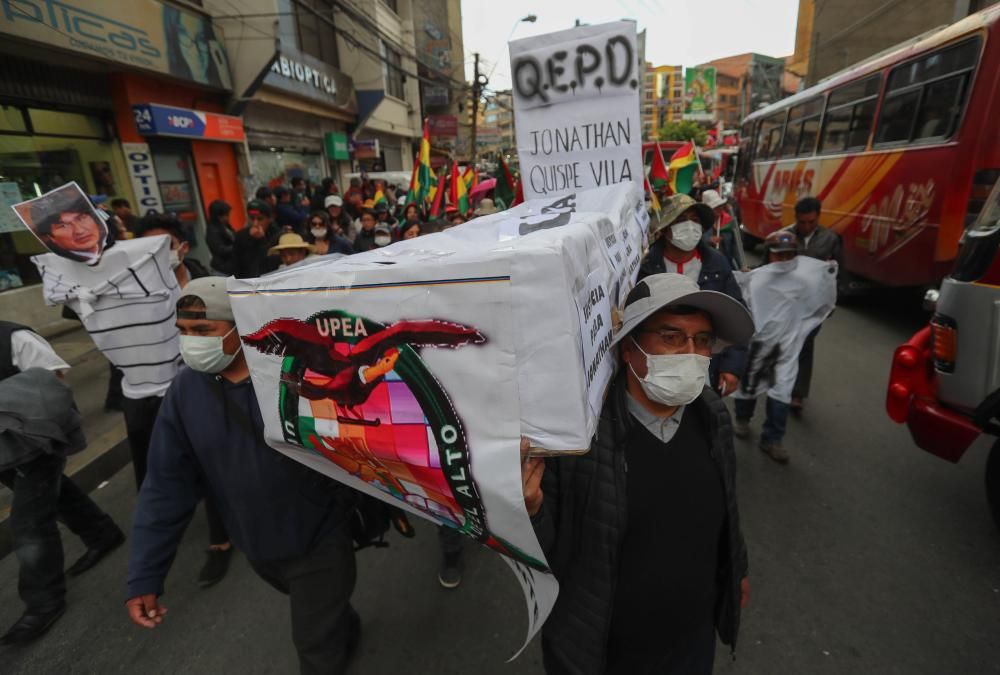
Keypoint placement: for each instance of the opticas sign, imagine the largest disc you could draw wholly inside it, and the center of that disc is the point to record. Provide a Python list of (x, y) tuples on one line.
[(152, 119)]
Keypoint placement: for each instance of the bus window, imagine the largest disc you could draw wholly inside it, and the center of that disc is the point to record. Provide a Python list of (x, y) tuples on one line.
[(849, 115), (803, 123), (769, 136), (924, 98)]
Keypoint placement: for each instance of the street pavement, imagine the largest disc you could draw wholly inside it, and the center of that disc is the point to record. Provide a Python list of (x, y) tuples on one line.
[(867, 555)]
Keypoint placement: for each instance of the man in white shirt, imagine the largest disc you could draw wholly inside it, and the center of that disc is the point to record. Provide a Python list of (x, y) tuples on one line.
[(43, 496)]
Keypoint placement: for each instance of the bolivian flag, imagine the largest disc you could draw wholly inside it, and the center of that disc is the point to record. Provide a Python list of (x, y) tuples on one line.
[(422, 177), (459, 193), (683, 165), (379, 197), (658, 175), (471, 178)]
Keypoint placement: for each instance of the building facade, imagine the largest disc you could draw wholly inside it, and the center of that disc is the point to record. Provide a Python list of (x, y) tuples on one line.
[(441, 64), (747, 82), (127, 100), (836, 34), (662, 98)]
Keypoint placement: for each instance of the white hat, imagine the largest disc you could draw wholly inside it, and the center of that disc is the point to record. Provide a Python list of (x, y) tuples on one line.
[(486, 207), (731, 320), (333, 200), (712, 199)]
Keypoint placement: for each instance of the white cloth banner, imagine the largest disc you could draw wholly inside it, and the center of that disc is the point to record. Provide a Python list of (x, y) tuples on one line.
[(576, 109), (411, 372), (127, 302), (788, 300)]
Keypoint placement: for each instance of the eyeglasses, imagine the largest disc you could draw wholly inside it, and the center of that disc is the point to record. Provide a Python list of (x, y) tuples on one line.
[(317, 223), (678, 339)]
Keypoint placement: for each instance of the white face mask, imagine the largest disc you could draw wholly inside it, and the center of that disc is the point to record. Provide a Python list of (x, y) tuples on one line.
[(175, 259), (383, 240), (204, 352), (318, 232), (673, 379), (685, 235)]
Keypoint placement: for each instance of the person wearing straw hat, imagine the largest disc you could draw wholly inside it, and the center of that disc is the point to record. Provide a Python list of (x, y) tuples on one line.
[(291, 248), (678, 247), (642, 532), (486, 207)]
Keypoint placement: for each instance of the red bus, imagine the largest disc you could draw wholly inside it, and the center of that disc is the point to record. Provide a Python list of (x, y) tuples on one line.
[(903, 150)]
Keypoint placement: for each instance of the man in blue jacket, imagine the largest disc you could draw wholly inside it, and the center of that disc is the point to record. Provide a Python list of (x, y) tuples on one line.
[(678, 247), (290, 521)]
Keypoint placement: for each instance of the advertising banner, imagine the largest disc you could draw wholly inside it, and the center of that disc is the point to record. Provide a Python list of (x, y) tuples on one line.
[(142, 173), (699, 94), (576, 109), (412, 372), (153, 119), (140, 33)]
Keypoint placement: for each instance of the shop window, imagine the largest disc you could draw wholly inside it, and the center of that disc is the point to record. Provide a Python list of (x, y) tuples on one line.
[(391, 65), (12, 120), (50, 122), (316, 32), (925, 97), (33, 165)]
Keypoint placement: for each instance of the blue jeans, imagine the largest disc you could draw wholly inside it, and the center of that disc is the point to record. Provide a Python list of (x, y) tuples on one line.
[(775, 422)]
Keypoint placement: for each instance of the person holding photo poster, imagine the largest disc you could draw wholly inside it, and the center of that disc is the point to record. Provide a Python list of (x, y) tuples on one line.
[(643, 531)]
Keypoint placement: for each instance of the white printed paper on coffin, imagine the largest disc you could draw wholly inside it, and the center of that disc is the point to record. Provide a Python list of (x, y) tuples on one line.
[(552, 248)]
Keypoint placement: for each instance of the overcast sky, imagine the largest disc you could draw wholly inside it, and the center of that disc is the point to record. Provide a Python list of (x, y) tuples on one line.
[(678, 32)]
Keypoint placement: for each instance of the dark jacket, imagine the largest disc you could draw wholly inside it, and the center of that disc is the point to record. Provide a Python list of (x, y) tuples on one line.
[(195, 269), (364, 241), (37, 417), (287, 215), (581, 526), (716, 275), (250, 258), (209, 438), (824, 244), (221, 237)]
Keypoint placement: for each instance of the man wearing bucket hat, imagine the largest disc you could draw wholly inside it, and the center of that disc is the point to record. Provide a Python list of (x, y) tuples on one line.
[(643, 532), (678, 247), (291, 248)]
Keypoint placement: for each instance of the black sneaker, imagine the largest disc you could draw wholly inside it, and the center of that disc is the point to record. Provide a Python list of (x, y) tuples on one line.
[(215, 567), (450, 574)]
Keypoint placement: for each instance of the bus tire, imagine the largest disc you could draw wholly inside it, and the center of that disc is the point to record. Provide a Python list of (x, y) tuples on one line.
[(993, 482)]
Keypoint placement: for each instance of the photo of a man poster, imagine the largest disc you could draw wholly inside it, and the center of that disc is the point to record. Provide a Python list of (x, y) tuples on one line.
[(66, 223)]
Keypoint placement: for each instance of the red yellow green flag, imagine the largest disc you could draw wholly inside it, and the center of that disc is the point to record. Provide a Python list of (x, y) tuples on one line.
[(423, 176), (459, 193), (683, 165), (438, 206), (658, 175)]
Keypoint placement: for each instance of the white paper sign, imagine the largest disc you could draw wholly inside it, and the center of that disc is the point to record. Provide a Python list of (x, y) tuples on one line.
[(576, 109), (596, 330), (139, 161)]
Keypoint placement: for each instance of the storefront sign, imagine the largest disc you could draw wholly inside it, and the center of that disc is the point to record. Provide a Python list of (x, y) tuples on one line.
[(140, 170), (140, 33), (336, 146), (367, 149), (576, 108), (153, 119), (310, 78), (443, 125)]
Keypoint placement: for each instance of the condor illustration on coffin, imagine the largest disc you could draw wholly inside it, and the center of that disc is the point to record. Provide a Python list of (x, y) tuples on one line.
[(357, 392)]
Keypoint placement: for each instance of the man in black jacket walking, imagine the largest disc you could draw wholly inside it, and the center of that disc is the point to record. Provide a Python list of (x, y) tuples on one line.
[(679, 247), (290, 521), (643, 531)]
